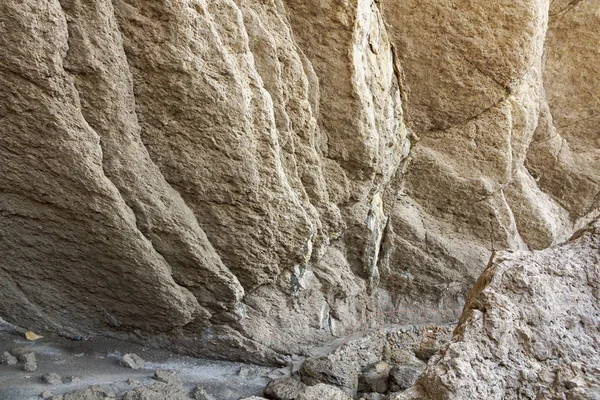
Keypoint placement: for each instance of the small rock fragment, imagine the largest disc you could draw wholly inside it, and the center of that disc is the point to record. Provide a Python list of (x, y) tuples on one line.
[(52, 379), (29, 362), (46, 395), (29, 335), (132, 361), (132, 382), (280, 373), (164, 376), (201, 394), (8, 359), (73, 379)]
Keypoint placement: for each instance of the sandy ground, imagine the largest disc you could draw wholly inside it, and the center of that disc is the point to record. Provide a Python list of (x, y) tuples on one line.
[(96, 362)]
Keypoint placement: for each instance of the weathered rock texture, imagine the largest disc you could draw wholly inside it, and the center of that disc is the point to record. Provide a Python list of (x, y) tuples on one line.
[(241, 178), (529, 329)]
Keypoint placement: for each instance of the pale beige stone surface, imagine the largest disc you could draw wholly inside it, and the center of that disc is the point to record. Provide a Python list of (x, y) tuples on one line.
[(529, 329), (245, 178)]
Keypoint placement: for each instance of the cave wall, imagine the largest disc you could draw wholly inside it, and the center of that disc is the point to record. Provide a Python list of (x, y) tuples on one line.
[(242, 178)]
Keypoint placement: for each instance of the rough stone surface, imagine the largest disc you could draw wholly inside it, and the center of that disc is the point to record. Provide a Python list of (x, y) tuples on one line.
[(100, 392), (323, 391), (403, 376), (158, 391), (374, 379), (323, 370), (242, 179), (134, 361), (8, 359), (284, 389), (29, 362), (201, 394), (46, 395), (373, 396), (529, 329), (415, 344), (165, 376), (52, 379)]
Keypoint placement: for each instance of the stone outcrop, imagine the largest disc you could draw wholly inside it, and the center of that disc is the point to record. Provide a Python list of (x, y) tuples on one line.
[(529, 329), (243, 178)]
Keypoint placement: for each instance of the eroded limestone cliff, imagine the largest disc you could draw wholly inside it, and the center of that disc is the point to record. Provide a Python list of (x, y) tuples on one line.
[(241, 178), (529, 330)]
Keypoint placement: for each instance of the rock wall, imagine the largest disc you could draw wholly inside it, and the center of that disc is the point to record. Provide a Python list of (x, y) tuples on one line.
[(529, 329), (242, 178)]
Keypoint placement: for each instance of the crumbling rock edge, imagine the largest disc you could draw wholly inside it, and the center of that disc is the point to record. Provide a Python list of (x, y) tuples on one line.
[(529, 329)]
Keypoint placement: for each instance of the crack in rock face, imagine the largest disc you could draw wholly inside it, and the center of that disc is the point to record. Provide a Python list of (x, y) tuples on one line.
[(244, 180)]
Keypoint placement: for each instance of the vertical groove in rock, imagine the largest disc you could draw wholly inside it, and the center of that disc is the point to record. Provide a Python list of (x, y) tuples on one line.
[(154, 205), (62, 184), (260, 175)]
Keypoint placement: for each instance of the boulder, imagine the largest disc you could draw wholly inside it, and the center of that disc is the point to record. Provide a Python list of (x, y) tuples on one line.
[(374, 378), (132, 361), (8, 359), (29, 362), (165, 376), (52, 379), (284, 389), (46, 395), (403, 376), (529, 329), (343, 374)]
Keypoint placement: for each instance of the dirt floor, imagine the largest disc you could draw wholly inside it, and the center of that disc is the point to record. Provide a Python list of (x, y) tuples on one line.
[(97, 362)]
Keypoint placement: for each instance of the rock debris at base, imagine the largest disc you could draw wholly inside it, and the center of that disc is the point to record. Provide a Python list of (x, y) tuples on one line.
[(8, 359), (241, 180), (52, 379), (315, 186), (29, 362), (530, 329)]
